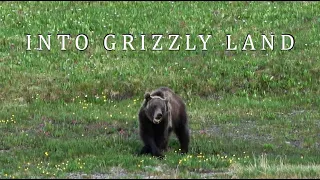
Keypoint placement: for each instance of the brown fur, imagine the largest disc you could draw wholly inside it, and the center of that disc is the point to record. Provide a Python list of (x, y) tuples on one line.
[(163, 103)]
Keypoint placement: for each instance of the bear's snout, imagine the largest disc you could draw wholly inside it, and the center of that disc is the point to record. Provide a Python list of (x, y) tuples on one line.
[(158, 116)]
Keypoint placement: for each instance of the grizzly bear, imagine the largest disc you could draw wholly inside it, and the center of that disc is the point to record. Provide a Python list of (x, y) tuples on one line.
[(161, 112)]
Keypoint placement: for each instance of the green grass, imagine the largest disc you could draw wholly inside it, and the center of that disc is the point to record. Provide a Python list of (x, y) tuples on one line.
[(253, 114)]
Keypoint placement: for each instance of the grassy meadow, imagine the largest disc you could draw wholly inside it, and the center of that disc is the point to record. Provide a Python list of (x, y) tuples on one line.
[(73, 114)]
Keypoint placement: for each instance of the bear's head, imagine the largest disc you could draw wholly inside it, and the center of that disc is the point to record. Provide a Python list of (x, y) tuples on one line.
[(156, 108)]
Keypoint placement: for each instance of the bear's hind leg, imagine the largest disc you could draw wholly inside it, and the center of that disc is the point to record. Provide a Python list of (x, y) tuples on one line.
[(183, 136)]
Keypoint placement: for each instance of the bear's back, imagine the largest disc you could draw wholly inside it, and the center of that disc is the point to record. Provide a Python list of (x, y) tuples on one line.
[(163, 92)]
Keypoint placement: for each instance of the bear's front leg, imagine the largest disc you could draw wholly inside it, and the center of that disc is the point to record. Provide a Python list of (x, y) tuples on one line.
[(145, 150), (162, 140), (150, 146), (162, 143)]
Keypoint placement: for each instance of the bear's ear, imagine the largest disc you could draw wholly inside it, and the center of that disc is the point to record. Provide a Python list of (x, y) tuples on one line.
[(147, 96)]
